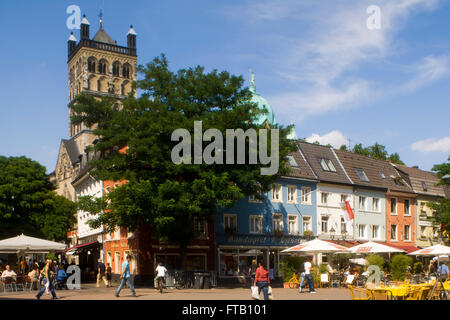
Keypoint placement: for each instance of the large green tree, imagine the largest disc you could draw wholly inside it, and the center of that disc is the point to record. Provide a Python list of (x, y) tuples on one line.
[(159, 193), (29, 204), (441, 207)]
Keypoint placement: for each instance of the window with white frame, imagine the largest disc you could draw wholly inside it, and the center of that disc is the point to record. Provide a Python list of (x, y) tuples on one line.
[(422, 207), (375, 204), (324, 197), (435, 232), (407, 232), (362, 231), (326, 164), (324, 224), (393, 206), (375, 231), (362, 175), (406, 208), (255, 224), (292, 224), (344, 198), (362, 203), (230, 222), (306, 223), (277, 193), (393, 232), (292, 194), (306, 195), (277, 223)]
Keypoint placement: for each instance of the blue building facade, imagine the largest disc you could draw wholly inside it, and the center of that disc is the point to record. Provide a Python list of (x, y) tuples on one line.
[(261, 229)]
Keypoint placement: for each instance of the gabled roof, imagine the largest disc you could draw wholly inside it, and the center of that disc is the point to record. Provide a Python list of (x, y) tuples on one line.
[(313, 153), (420, 178)]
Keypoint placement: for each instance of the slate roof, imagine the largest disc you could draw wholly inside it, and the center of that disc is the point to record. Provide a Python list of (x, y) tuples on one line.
[(375, 170), (303, 170), (102, 36), (417, 176), (72, 150), (313, 152)]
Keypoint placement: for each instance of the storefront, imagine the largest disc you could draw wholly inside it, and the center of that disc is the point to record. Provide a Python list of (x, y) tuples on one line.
[(236, 252)]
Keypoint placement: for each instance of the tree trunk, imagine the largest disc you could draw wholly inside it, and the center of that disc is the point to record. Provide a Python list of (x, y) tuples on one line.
[(183, 251)]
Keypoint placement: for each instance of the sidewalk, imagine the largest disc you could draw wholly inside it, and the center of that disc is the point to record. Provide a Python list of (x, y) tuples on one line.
[(90, 292)]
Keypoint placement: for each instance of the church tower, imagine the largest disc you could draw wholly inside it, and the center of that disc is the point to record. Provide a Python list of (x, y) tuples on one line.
[(99, 67)]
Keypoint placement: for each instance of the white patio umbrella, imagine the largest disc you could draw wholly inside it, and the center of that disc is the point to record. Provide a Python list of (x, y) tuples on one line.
[(359, 261), (435, 250), (22, 244), (373, 247), (316, 246), (29, 244)]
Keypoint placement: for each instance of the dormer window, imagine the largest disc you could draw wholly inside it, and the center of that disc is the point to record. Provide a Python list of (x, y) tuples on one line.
[(292, 161), (327, 165), (362, 175), (424, 186)]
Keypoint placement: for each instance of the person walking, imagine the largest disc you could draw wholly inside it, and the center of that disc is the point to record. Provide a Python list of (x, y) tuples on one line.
[(101, 273), (125, 277), (160, 274), (47, 281), (443, 271), (308, 276), (252, 270), (262, 280)]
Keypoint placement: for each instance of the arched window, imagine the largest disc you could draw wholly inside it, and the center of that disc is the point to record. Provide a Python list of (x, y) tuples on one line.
[(91, 64), (102, 66), (126, 70), (116, 68)]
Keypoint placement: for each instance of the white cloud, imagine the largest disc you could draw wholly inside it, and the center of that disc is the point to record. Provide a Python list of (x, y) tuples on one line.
[(335, 138), (429, 70), (429, 145), (336, 43)]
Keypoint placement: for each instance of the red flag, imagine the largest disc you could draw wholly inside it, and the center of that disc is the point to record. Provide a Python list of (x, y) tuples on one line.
[(349, 210)]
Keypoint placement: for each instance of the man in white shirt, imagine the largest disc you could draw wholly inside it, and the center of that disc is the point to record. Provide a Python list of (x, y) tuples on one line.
[(8, 273), (160, 272), (308, 276)]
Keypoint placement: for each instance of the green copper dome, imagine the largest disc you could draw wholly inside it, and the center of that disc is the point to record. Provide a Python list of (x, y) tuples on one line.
[(262, 105)]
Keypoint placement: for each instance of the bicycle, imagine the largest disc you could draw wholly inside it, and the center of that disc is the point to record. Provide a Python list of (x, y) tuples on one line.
[(294, 282), (160, 284)]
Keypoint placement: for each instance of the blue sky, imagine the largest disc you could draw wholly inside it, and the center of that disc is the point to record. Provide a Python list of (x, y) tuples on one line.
[(316, 62)]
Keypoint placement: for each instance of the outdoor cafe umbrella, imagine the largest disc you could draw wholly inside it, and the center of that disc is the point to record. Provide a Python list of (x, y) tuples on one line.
[(24, 244), (373, 247), (359, 261), (316, 246), (435, 250)]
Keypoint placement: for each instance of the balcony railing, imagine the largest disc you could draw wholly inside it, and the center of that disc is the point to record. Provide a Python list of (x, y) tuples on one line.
[(102, 46)]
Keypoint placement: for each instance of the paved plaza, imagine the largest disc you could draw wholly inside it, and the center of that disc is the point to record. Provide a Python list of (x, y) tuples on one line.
[(90, 292)]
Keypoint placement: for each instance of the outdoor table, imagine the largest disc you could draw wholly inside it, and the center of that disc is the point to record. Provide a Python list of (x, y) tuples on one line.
[(399, 293)]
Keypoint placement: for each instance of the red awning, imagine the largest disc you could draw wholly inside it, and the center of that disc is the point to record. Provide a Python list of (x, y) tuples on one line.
[(82, 245), (408, 249)]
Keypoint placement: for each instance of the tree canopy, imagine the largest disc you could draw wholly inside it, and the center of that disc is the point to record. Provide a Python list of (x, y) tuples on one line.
[(135, 145), (441, 207), (29, 204), (377, 151)]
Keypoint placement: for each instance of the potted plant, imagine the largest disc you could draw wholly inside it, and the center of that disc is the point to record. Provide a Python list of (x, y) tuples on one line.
[(308, 233), (399, 267), (289, 266)]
